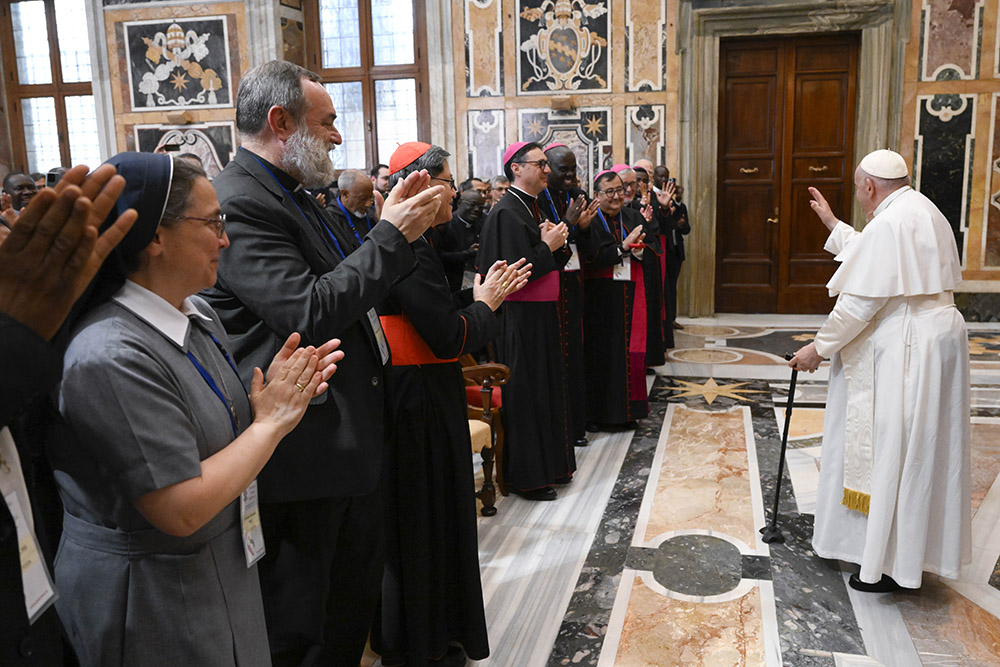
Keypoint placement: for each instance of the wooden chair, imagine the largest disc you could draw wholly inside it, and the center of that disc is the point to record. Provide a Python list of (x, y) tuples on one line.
[(489, 378)]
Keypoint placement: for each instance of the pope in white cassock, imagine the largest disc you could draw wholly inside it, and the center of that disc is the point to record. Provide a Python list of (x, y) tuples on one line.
[(894, 490)]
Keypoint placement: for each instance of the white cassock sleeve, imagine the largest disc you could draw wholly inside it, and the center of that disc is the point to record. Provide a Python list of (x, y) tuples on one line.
[(848, 318), (840, 236)]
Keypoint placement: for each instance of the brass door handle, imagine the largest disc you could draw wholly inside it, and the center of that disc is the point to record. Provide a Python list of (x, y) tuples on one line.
[(818, 169), (773, 220), (752, 170)]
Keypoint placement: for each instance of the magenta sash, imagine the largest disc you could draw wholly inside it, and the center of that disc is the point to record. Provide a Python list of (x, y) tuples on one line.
[(545, 288)]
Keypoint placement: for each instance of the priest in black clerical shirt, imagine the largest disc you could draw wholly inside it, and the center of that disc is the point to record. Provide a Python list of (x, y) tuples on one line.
[(538, 449)]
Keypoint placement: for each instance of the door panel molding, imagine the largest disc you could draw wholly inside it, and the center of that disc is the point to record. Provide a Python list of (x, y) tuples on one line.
[(884, 26)]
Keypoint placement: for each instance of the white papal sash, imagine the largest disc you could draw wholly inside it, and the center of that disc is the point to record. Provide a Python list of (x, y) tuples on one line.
[(858, 359)]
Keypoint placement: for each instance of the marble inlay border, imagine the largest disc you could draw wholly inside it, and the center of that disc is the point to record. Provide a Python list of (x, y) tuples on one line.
[(701, 24), (475, 87), (991, 203), (486, 141), (658, 28), (950, 71), (940, 160), (648, 122)]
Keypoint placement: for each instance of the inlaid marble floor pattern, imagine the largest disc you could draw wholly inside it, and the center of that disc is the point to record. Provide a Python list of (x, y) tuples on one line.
[(652, 556)]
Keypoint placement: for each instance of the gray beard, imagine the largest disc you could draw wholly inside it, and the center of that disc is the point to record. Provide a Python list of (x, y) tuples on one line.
[(307, 159)]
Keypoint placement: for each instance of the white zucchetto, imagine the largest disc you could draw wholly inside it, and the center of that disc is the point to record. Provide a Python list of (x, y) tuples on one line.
[(884, 163)]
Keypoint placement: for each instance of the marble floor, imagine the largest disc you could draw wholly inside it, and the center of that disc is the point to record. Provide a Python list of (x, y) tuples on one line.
[(652, 556)]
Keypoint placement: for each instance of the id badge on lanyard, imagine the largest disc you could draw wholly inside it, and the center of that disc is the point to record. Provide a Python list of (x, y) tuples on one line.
[(574, 260), (253, 535), (383, 345), (623, 271)]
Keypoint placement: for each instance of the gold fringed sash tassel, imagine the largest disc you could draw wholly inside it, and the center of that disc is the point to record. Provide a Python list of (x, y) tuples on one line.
[(856, 500)]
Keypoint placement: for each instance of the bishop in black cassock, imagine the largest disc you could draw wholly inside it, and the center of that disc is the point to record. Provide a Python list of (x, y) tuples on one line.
[(538, 449)]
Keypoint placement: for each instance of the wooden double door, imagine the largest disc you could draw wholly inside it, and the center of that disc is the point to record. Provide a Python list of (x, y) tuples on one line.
[(786, 114)]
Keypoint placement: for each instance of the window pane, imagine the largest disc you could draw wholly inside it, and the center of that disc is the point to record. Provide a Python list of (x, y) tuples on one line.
[(81, 120), (349, 105), (395, 114), (41, 134), (74, 46), (31, 42), (339, 33), (392, 31)]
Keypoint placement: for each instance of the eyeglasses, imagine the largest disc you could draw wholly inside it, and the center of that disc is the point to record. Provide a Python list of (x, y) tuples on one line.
[(449, 181), (217, 225), (541, 164), (613, 192)]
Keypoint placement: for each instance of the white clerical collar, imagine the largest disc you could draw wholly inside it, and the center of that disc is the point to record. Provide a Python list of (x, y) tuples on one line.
[(526, 197), (891, 198), (157, 311)]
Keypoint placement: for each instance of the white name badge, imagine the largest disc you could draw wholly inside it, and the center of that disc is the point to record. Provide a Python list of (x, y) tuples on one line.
[(38, 590), (383, 346), (574, 259), (253, 534), (623, 271)]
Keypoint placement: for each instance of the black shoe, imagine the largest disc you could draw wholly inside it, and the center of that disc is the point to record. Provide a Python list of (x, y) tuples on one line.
[(884, 585), (582, 442), (544, 493), (678, 325)]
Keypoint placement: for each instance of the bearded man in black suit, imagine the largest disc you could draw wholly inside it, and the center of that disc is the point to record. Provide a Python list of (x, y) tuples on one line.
[(291, 267)]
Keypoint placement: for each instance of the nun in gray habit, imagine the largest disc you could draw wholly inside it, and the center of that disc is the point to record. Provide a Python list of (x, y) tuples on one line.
[(151, 568)]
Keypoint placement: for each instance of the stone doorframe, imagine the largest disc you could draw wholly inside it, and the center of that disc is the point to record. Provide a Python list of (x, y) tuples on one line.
[(885, 28)]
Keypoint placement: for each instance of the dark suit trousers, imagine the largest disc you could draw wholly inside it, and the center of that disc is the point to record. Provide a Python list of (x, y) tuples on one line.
[(321, 577)]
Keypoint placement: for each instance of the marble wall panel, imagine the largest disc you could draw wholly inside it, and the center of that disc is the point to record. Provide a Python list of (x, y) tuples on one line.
[(951, 39), (483, 48), (214, 143), (563, 46), (943, 154), (991, 215), (178, 63), (586, 131), (486, 142), (645, 45), (645, 133)]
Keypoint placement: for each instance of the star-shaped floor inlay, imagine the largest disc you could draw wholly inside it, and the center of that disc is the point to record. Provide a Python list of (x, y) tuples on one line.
[(711, 390)]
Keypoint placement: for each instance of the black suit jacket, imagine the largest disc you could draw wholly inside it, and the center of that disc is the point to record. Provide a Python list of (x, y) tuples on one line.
[(29, 367), (281, 275)]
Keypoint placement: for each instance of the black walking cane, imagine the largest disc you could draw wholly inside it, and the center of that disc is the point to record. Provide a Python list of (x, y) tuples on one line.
[(772, 533)]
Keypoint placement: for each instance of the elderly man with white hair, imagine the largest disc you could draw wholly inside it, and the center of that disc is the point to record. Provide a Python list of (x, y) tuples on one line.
[(894, 491)]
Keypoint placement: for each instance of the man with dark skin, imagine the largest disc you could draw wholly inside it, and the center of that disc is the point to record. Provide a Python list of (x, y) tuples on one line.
[(357, 206), (459, 241), (562, 201), (21, 189)]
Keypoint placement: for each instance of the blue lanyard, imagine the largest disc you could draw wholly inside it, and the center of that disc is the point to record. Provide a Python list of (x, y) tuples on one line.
[(552, 205), (234, 422), (608, 229), (304, 216), (350, 223)]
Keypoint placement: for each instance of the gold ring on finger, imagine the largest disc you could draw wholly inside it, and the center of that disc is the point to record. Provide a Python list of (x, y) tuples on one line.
[(300, 387)]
